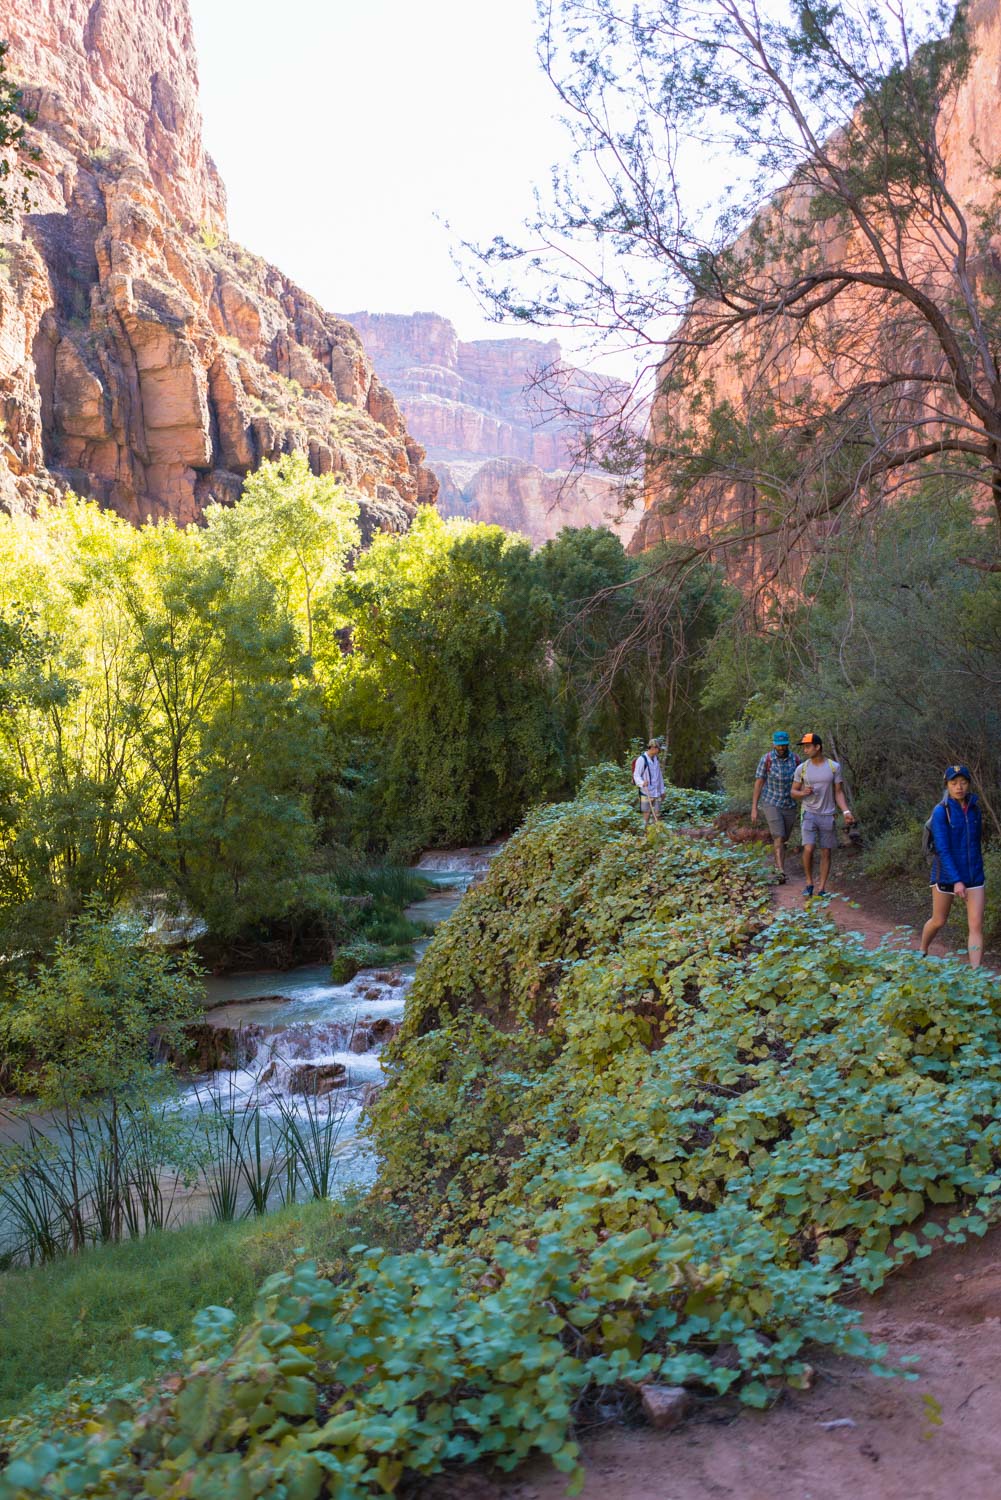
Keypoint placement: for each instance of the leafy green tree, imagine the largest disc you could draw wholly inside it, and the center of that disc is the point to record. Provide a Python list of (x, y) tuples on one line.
[(149, 748), (633, 656), (831, 308), (80, 1027), (226, 824), (450, 682), (295, 528), (590, 579)]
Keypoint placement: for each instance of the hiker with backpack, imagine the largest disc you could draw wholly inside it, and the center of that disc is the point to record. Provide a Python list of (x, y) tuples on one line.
[(773, 790), (819, 786), (952, 836), (648, 775)]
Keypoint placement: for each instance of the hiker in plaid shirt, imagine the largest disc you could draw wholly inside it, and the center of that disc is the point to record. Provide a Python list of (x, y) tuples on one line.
[(773, 789)]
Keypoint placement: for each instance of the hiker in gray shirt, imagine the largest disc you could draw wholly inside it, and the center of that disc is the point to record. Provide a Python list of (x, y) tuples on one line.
[(819, 787)]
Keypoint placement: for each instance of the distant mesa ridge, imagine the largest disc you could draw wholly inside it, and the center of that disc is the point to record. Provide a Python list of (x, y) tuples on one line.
[(145, 359), (500, 453)]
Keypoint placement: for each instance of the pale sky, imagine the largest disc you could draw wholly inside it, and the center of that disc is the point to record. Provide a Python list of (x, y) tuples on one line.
[(342, 129)]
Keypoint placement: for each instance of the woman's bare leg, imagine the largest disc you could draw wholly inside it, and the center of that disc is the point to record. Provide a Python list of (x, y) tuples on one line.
[(940, 904), (975, 923)]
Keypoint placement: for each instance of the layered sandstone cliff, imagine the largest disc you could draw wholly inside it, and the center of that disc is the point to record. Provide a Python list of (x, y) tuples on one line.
[(501, 453), (145, 359)]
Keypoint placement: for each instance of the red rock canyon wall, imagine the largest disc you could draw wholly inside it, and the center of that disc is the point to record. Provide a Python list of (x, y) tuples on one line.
[(971, 140), (500, 456), (145, 359)]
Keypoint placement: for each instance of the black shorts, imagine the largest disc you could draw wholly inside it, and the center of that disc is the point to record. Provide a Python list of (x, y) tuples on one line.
[(948, 888)]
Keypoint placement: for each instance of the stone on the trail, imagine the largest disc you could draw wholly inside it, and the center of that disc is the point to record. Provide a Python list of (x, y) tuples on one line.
[(837, 1422), (664, 1405), (317, 1078)]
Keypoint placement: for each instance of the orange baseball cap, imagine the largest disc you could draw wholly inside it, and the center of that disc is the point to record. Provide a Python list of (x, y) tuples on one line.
[(811, 739)]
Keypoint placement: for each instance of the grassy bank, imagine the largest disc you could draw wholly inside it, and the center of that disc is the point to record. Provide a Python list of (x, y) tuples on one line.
[(75, 1317)]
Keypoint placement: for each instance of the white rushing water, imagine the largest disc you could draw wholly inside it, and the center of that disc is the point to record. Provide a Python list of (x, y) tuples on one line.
[(297, 1021)]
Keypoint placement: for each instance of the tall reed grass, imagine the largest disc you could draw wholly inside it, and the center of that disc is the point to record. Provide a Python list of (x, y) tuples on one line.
[(118, 1171)]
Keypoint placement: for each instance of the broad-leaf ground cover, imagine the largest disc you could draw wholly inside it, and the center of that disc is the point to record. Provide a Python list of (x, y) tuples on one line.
[(648, 1134)]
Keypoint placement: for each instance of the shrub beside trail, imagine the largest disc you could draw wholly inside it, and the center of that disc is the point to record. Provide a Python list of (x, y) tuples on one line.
[(648, 1134)]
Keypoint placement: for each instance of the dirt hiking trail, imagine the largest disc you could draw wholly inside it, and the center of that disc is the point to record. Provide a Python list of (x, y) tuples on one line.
[(934, 1438), (894, 1445)]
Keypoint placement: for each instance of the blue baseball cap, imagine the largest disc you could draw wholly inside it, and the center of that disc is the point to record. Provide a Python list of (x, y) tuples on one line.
[(780, 737), (953, 771)]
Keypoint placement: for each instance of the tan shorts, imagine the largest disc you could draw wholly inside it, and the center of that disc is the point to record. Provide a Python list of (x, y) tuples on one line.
[(781, 820)]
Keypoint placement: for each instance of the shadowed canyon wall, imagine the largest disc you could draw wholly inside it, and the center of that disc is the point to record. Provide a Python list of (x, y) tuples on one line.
[(145, 359), (500, 456)]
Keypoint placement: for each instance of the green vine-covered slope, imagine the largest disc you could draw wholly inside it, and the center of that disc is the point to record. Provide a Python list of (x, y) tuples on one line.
[(648, 1132)]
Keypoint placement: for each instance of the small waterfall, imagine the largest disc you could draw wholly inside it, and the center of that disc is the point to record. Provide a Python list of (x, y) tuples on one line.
[(299, 1036)]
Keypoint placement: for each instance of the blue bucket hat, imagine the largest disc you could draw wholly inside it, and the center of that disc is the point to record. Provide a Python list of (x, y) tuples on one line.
[(952, 771), (780, 737)]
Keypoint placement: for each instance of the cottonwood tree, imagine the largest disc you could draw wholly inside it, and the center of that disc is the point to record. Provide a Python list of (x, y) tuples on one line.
[(777, 203)]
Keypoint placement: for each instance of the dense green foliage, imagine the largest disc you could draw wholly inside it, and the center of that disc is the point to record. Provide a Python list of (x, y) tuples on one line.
[(80, 1026), (146, 748), (229, 722), (893, 657), (448, 678), (632, 659), (596, 1000), (648, 1134)]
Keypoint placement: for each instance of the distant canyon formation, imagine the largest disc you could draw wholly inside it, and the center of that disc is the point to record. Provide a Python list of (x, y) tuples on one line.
[(499, 451), (145, 359)]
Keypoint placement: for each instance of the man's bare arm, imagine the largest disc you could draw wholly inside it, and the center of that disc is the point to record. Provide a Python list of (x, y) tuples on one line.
[(842, 801), (759, 782)]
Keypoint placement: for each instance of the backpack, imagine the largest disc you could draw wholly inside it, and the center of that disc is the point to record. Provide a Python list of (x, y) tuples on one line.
[(927, 836), (768, 763), (827, 761), (646, 767)]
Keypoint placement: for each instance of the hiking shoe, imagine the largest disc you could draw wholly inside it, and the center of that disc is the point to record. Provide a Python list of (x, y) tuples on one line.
[(807, 892), (780, 879)]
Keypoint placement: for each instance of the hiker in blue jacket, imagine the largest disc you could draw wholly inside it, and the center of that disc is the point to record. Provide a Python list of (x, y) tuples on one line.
[(958, 866)]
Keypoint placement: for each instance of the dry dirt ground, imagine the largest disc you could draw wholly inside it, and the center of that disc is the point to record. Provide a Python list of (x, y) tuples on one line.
[(934, 1438)]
